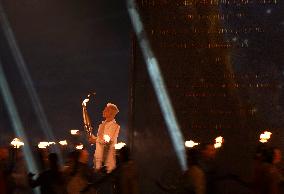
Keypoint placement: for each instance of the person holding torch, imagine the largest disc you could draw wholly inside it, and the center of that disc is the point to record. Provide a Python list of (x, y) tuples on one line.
[(106, 139)]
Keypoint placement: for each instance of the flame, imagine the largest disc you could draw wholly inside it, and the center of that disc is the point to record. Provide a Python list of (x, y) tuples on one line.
[(63, 143), (107, 138), (218, 142), (119, 145), (79, 147), (17, 143), (74, 132), (265, 136), (217, 145), (190, 144), (219, 139), (84, 103), (43, 145)]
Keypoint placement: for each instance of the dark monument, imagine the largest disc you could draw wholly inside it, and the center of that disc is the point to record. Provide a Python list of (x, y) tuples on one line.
[(221, 64)]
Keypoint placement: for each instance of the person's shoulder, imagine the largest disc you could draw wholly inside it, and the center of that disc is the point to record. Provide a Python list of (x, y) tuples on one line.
[(195, 170)]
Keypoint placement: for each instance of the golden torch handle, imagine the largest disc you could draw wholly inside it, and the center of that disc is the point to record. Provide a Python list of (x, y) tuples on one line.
[(86, 118)]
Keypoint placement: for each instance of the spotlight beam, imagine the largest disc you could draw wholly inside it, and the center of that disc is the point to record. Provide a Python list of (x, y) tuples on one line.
[(158, 83), (24, 72), (15, 120)]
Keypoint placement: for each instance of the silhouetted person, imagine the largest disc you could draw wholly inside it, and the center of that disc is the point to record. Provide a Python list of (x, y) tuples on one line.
[(123, 179), (266, 175), (209, 167), (4, 171), (51, 181), (278, 163), (79, 173), (126, 176), (193, 180)]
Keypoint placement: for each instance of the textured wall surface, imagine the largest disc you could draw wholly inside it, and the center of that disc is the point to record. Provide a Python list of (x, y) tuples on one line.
[(223, 67)]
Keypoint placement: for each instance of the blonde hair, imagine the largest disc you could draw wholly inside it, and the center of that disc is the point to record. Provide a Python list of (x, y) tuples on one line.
[(113, 107)]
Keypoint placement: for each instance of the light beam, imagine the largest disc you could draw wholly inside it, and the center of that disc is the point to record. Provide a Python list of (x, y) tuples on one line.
[(158, 83)]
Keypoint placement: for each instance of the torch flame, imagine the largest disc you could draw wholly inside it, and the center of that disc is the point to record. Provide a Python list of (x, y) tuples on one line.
[(265, 136), (190, 144), (17, 143), (63, 143), (107, 138), (119, 145), (43, 145), (84, 103), (218, 142), (79, 147), (74, 131), (217, 145)]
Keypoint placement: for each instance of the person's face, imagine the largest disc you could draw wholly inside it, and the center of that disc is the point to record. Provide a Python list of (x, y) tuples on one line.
[(108, 113)]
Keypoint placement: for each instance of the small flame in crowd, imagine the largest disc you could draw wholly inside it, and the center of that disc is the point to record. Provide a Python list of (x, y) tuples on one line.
[(17, 143), (218, 142), (190, 144), (79, 147), (74, 132), (119, 145), (107, 138), (63, 143), (43, 144), (265, 136)]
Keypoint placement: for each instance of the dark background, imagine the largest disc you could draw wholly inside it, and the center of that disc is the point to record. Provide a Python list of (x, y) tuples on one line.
[(70, 48), (222, 63)]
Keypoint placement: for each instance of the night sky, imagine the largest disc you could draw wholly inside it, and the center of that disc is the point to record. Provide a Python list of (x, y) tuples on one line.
[(70, 48)]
